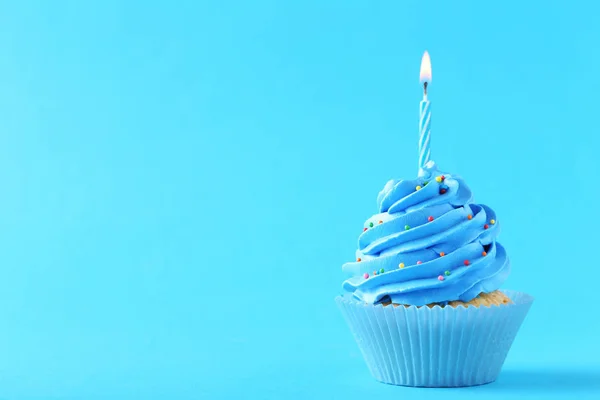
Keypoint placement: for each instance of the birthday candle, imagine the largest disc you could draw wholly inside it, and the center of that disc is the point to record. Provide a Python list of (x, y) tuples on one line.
[(425, 113)]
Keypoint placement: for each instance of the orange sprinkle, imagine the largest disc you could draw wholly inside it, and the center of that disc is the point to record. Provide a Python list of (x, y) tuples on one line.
[(484, 254), (442, 254), (358, 259), (469, 216), (381, 222)]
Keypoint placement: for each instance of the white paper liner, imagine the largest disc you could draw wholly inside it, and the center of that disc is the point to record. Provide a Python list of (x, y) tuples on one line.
[(435, 347)]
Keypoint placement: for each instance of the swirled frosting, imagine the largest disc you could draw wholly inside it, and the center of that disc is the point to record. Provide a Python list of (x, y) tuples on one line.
[(429, 243)]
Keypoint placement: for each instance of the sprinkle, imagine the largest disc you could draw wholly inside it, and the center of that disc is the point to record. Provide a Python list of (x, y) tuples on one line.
[(492, 221), (425, 183), (401, 265), (443, 178), (440, 278), (442, 191), (358, 259), (467, 263), (442, 254), (430, 218), (371, 224), (374, 273), (447, 273), (381, 271), (484, 254), (418, 188), (486, 226), (366, 276), (419, 262), (364, 229), (438, 178), (469, 216), (406, 227)]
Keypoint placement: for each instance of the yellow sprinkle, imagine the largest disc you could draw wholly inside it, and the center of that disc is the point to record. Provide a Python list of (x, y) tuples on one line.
[(418, 188), (492, 221), (401, 265), (438, 178)]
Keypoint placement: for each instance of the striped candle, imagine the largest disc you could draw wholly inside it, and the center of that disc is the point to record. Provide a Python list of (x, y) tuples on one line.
[(425, 113), (424, 132)]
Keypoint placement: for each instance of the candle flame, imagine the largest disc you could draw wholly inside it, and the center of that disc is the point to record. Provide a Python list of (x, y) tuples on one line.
[(425, 74)]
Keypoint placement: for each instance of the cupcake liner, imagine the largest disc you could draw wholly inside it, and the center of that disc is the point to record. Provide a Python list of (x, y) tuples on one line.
[(435, 347)]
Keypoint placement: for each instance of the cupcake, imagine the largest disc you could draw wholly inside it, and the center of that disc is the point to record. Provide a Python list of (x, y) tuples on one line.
[(423, 297)]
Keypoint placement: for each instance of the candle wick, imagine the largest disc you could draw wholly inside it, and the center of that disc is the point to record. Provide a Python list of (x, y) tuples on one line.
[(425, 89)]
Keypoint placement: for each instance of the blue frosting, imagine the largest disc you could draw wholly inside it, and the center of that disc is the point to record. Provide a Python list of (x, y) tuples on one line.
[(414, 228)]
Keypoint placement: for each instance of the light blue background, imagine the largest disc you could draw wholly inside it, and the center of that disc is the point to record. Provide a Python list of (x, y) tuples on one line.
[(182, 181)]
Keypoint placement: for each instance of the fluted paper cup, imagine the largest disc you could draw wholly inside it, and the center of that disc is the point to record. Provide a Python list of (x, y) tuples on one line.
[(435, 347)]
